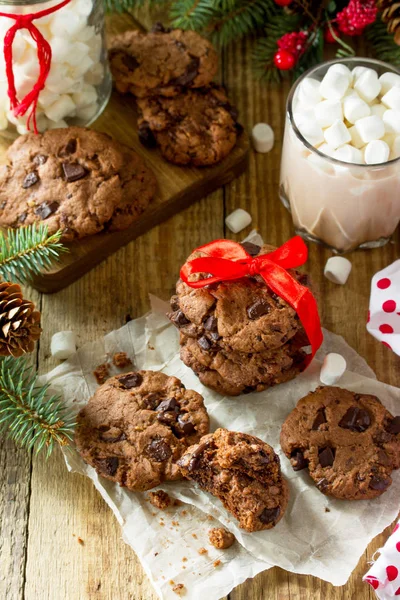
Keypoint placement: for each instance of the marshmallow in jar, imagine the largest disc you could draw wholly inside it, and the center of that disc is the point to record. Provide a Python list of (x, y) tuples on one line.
[(78, 86), (340, 169)]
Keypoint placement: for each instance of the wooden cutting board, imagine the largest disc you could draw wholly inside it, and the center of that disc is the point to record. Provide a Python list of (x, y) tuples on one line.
[(178, 187)]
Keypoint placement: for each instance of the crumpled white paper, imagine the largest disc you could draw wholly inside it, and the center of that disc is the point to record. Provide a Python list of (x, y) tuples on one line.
[(384, 575), (384, 308), (309, 539)]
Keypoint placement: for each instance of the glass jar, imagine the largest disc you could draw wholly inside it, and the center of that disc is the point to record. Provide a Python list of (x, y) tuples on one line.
[(78, 85), (342, 205)]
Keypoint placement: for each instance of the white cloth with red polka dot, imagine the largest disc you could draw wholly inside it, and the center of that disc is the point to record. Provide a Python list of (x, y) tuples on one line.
[(384, 307), (384, 575)]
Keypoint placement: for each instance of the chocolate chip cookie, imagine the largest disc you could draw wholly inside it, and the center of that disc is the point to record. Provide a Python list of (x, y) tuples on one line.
[(198, 127), (243, 472), (137, 425), (74, 179), (234, 373), (349, 442), (162, 62)]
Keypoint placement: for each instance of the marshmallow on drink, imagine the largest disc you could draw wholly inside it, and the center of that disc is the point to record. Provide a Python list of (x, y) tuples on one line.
[(392, 98), (391, 120), (370, 128), (327, 112), (387, 81), (337, 134), (309, 92), (395, 152), (376, 152), (355, 108), (367, 85), (334, 85)]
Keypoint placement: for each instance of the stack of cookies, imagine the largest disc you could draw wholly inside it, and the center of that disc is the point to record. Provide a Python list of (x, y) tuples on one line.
[(75, 180), (181, 111), (238, 336)]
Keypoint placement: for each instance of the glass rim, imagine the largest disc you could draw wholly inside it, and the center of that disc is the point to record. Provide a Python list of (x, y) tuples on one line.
[(23, 2), (308, 73)]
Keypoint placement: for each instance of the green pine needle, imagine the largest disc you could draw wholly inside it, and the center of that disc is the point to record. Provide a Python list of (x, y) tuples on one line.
[(27, 251), (279, 24), (382, 43), (28, 414)]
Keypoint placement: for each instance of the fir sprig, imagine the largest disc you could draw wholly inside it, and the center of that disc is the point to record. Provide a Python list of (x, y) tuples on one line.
[(29, 415), (27, 251), (263, 56), (382, 43)]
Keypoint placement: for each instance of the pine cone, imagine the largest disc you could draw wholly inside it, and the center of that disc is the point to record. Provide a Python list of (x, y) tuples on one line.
[(19, 321), (391, 15)]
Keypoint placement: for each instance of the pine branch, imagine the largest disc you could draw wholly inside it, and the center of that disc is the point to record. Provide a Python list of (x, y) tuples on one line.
[(27, 251), (313, 54), (382, 43), (28, 414), (123, 5), (192, 14)]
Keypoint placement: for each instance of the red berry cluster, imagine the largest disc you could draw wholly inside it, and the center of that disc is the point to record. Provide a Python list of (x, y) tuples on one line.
[(355, 17), (290, 47)]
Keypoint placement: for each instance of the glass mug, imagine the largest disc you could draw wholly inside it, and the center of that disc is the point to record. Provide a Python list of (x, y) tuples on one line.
[(341, 205), (78, 86)]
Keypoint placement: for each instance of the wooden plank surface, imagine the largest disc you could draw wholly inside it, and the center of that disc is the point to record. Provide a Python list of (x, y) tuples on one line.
[(43, 508)]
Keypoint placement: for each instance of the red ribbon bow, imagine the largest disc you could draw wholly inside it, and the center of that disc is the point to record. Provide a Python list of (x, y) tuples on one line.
[(20, 107), (227, 261)]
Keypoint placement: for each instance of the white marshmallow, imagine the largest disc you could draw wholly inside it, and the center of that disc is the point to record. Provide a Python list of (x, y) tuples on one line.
[(86, 34), (337, 134), (355, 108), (61, 108), (84, 7), (95, 75), (262, 136), (337, 269), (327, 112), (60, 48), (86, 96), (378, 110), (349, 154), (370, 128), (334, 85), (302, 113), (333, 368), (66, 23), (57, 124), (87, 112), (395, 153), (238, 220), (340, 68), (326, 149), (367, 85), (311, 131), (356, 140), (82, 67), (392, 98), (376, 152), (63, 344), (388, 80), (357, 71), (391, 120), (309, 91), (46, 98)]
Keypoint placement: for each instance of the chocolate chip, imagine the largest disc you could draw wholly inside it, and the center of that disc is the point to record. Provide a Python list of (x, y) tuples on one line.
[(131, 380), (30, 179), (320, 419), (204, 343), (46, 209), (178, 318), (196, 454), (159, 450), (40, 159), (169, 418), (355, 419), (174, 303), (130, 62), (232, 110), (108, 465), (146, 136), (269, 515), (258, 309), (211, 324), (152, 401), (167, 405), (3, 204), (378, 483), (70, 148), (159, 28), (252, 249), (191, 72), (112, 435), (187, 427), (263, 457), (394, 426), (22, 217), (73, 171), (298, 461), (326, 457), (214, 335)]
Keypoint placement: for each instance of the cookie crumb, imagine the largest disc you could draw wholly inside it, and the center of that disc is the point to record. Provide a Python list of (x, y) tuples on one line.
[(184, 513), (159, 499), (101, 373), (327, 509), (162, 523), (194, 536), (216, 563), (203, 551), (175, 523), (80, 541), (177, 502), (179, 588), (184, 559), (121, 360), (150, 347), (221, 538)]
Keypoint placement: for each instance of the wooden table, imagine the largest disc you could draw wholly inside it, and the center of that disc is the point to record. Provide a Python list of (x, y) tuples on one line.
[(43, 509)]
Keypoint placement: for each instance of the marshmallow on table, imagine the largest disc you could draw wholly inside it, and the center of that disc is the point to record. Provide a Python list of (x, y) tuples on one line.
[(388, 80), (334, 85), (337, 134), (63, 344), (391, 120), (327, 112), (370, 128), (376, 152), (262, 136), (392, 98), (337, 269), (238, 220), (355, 108), (333, 368), (368, 85)]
